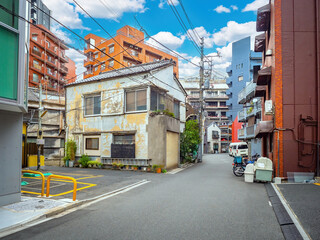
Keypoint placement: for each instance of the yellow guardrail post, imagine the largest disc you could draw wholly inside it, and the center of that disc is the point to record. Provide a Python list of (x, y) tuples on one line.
[(63, 177), (42, 176)]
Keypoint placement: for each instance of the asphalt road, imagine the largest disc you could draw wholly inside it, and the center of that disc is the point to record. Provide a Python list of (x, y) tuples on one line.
[(205, 201)]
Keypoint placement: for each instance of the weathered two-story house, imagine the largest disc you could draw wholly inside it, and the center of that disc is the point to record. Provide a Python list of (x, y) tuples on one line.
[(131, 115)]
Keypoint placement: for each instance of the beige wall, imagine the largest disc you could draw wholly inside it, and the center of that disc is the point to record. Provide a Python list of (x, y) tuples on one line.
[(172, 150)]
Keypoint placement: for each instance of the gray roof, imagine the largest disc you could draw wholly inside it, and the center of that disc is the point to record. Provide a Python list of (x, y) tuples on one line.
[(121, 72)]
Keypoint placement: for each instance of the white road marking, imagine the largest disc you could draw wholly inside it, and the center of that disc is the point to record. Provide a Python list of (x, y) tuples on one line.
[(294, 218)]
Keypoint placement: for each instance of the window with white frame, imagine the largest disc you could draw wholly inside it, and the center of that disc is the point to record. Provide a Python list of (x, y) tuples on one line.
[(111, 63), (111, 48), (136, 100), (35, 77), (123, 139), (48, 43), (103, 66), (92, 143), (35, 37), (176, 109), (92, 105), (157, 101)]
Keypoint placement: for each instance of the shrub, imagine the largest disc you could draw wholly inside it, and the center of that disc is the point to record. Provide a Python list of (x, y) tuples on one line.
[(94, 163), (70, 149), (84, 160)]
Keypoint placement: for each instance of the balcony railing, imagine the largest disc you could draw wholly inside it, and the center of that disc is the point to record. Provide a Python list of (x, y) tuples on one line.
[(241, 134), (250, 131), (247, 93), (215, 95), (64, 68), (36, 52), (249, 111), (37, 66)]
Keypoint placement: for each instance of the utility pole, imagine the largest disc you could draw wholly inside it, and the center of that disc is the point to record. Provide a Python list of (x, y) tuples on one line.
[(201, 99), (39, 137)]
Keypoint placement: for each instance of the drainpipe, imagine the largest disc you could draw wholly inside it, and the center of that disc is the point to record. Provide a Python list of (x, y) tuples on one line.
[(318, 83)]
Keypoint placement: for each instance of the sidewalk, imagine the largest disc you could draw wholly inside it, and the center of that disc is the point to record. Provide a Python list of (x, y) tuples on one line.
[(303, 200), (30, 209)]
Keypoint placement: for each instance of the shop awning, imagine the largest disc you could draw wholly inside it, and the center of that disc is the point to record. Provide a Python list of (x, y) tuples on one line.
[(260, 42), (263, 18), (260, 91), (263, 128), (264, 76)]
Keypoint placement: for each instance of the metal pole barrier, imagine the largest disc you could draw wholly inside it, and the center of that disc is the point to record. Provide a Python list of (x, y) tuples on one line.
[(42, 176), (62, 177)]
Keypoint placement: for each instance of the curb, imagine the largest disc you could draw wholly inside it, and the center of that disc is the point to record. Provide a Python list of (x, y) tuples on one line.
[(288, 222), (61, 209)]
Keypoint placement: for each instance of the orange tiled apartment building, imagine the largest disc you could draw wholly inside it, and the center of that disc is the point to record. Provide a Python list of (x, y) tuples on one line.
[(137, 52), (47, 62)]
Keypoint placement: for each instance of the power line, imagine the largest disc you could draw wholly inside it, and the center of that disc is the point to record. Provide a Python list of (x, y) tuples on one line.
[(120, 45), (188, 19), (176, 13), (163, 44)]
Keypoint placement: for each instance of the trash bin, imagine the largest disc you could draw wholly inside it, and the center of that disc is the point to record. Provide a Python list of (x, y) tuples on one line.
[(249, 173), (263, 169)]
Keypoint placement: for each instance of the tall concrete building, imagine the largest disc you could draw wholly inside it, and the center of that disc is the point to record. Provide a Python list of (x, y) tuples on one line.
[(40, 13), (48, 60), (240, 72), (215, 98), (113, 56), (13, 97)]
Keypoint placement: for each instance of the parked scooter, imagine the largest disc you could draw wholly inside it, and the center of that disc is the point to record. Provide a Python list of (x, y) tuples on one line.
[(239, 165)]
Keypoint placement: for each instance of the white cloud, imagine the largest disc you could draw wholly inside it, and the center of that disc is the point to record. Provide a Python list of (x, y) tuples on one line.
[(234, 31), (221, 9), (109, 9), (201, 32), (234, 7), (78, 58), (57, 31), (255, 5), (167, 39), (164, 2), (68, 13), (65, 13)]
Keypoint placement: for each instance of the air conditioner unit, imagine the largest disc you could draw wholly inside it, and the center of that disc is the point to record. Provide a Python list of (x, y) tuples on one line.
[(268, 107)]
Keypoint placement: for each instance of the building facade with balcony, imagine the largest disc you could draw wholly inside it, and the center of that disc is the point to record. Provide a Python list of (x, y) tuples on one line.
[(14, 48), (250, 116), (126, 49), (47, 61), (240, 72), (215, 98), (289, 81), (40, 14)]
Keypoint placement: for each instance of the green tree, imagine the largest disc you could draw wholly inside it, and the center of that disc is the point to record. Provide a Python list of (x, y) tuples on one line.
[(189, 140)]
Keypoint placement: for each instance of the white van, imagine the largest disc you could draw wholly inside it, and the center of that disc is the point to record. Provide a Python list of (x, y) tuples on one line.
[(239, 149)]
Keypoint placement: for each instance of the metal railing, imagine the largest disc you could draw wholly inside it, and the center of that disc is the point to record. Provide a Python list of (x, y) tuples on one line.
[(63, 177), (245, 92), (42, 177)]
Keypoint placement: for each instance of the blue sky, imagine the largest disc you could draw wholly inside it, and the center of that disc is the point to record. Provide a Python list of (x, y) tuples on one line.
[(220, 22)]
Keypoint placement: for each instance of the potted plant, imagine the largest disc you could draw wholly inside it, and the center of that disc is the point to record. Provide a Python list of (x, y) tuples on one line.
[(114, 165), (135, 168), (70, 150)]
